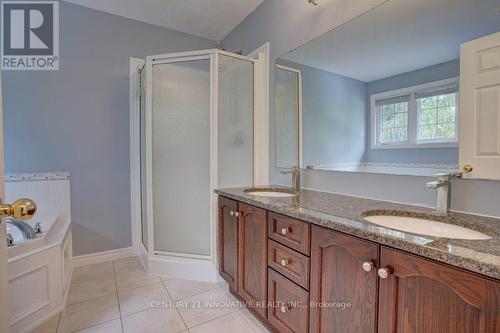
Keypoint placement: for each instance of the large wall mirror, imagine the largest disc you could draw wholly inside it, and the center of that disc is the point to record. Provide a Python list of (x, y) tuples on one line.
[(381, 92)]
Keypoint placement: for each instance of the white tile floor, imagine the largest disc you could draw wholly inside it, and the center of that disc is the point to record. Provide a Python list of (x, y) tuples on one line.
[(116, 297)]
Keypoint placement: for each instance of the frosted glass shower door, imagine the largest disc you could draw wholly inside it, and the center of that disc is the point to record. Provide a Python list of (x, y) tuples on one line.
[(235, 121), (181, 150)]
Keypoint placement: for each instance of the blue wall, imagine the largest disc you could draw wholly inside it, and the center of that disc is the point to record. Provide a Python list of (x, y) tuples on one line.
[(76, 119), (415, 155), (333, 114)]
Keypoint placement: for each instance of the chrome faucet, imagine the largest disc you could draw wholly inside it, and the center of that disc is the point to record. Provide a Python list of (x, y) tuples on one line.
[(295, 171), (10, 240), (443, 187)]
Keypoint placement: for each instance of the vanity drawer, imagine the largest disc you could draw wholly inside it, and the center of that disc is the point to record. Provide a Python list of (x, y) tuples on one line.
[(290, 232), (288, 262), (289, 312)]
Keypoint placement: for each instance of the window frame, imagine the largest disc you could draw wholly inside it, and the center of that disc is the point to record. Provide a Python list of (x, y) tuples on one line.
[(413, 121)]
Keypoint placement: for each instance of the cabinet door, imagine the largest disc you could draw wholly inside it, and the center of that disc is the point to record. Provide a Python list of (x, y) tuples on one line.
[(421, 296), (228, 241), (252, 263), (480, 106), (290, 312), (337, 276)]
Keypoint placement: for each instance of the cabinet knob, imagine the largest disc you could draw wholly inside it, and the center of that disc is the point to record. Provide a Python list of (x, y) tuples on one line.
[(236, 214), (368, 266), (231, 213), (284, 262), (384, 272), (284, 231), (285, 307)]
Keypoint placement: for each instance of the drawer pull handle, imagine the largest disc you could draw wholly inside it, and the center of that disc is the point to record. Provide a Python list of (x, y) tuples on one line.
[(384, 272), (231, 213), (236, 214), (368, 266), (284, 262), (285, 307), (284, 231)]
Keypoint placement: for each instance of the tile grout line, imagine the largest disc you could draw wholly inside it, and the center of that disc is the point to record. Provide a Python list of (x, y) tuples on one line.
[(178, 312), (197, 294), (93, 325), (217, 292), (147, 309), (224, 315), (117, 296), (93, 298), (59, 320)]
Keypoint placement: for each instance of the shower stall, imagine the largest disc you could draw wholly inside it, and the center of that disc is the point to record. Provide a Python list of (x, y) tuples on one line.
[(196, 133)]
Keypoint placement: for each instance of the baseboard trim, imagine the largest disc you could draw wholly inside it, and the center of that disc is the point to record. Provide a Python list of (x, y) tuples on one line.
[(183, 268), (41, 320), (98, 257)]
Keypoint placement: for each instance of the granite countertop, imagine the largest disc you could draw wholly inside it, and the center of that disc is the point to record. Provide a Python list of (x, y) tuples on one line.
[(345, 213)]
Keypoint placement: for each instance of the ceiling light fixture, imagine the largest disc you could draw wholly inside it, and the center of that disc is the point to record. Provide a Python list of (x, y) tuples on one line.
[(314, 2)]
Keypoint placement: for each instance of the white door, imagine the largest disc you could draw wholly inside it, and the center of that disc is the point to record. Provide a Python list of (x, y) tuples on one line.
[(4, 282), (480, 107)]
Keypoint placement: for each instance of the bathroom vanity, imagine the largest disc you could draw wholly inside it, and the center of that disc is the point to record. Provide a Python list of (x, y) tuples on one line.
[(312, 263), (413, 95)]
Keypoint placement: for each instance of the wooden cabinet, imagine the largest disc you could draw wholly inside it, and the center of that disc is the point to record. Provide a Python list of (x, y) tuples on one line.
[(290, 232), (228, 241), (353, 285), (339, 279), (422, 296), (242, 251), (290, 263), (289, 312), (252, 256)]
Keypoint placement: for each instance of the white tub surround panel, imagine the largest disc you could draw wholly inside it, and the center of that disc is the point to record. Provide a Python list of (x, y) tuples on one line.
[(49, 190), (40, 269)]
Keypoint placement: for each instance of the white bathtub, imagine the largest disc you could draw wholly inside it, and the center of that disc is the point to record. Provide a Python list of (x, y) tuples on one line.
[(388, 169), (39, 273)]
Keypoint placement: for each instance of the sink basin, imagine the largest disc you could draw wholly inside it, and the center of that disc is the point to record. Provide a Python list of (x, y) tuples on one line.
[(270, 192), (427, 227)]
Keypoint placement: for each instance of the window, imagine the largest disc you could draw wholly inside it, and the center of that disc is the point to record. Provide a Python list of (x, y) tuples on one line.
[(394, 119), (437, 116), (424, 115)]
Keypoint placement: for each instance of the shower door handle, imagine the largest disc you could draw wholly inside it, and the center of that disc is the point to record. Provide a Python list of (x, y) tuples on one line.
[(21, 209)]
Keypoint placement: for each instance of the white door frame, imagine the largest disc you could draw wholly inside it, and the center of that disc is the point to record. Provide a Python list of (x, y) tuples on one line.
[(261, 114), (298, 72), (4, 276), (135, 160)]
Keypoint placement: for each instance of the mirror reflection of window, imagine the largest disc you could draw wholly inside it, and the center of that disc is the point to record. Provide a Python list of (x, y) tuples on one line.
[(437, 117), (393, 120), (420, 116)]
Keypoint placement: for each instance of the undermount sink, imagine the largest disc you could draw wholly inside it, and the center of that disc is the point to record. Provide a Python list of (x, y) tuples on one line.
[(270, 192), (427, 227)]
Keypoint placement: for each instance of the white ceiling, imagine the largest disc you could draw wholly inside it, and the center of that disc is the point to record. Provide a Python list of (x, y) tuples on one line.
[(400, 36), (212, 19)]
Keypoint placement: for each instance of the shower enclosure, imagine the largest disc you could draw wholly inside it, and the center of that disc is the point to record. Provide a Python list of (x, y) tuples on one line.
[(196, 121)]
